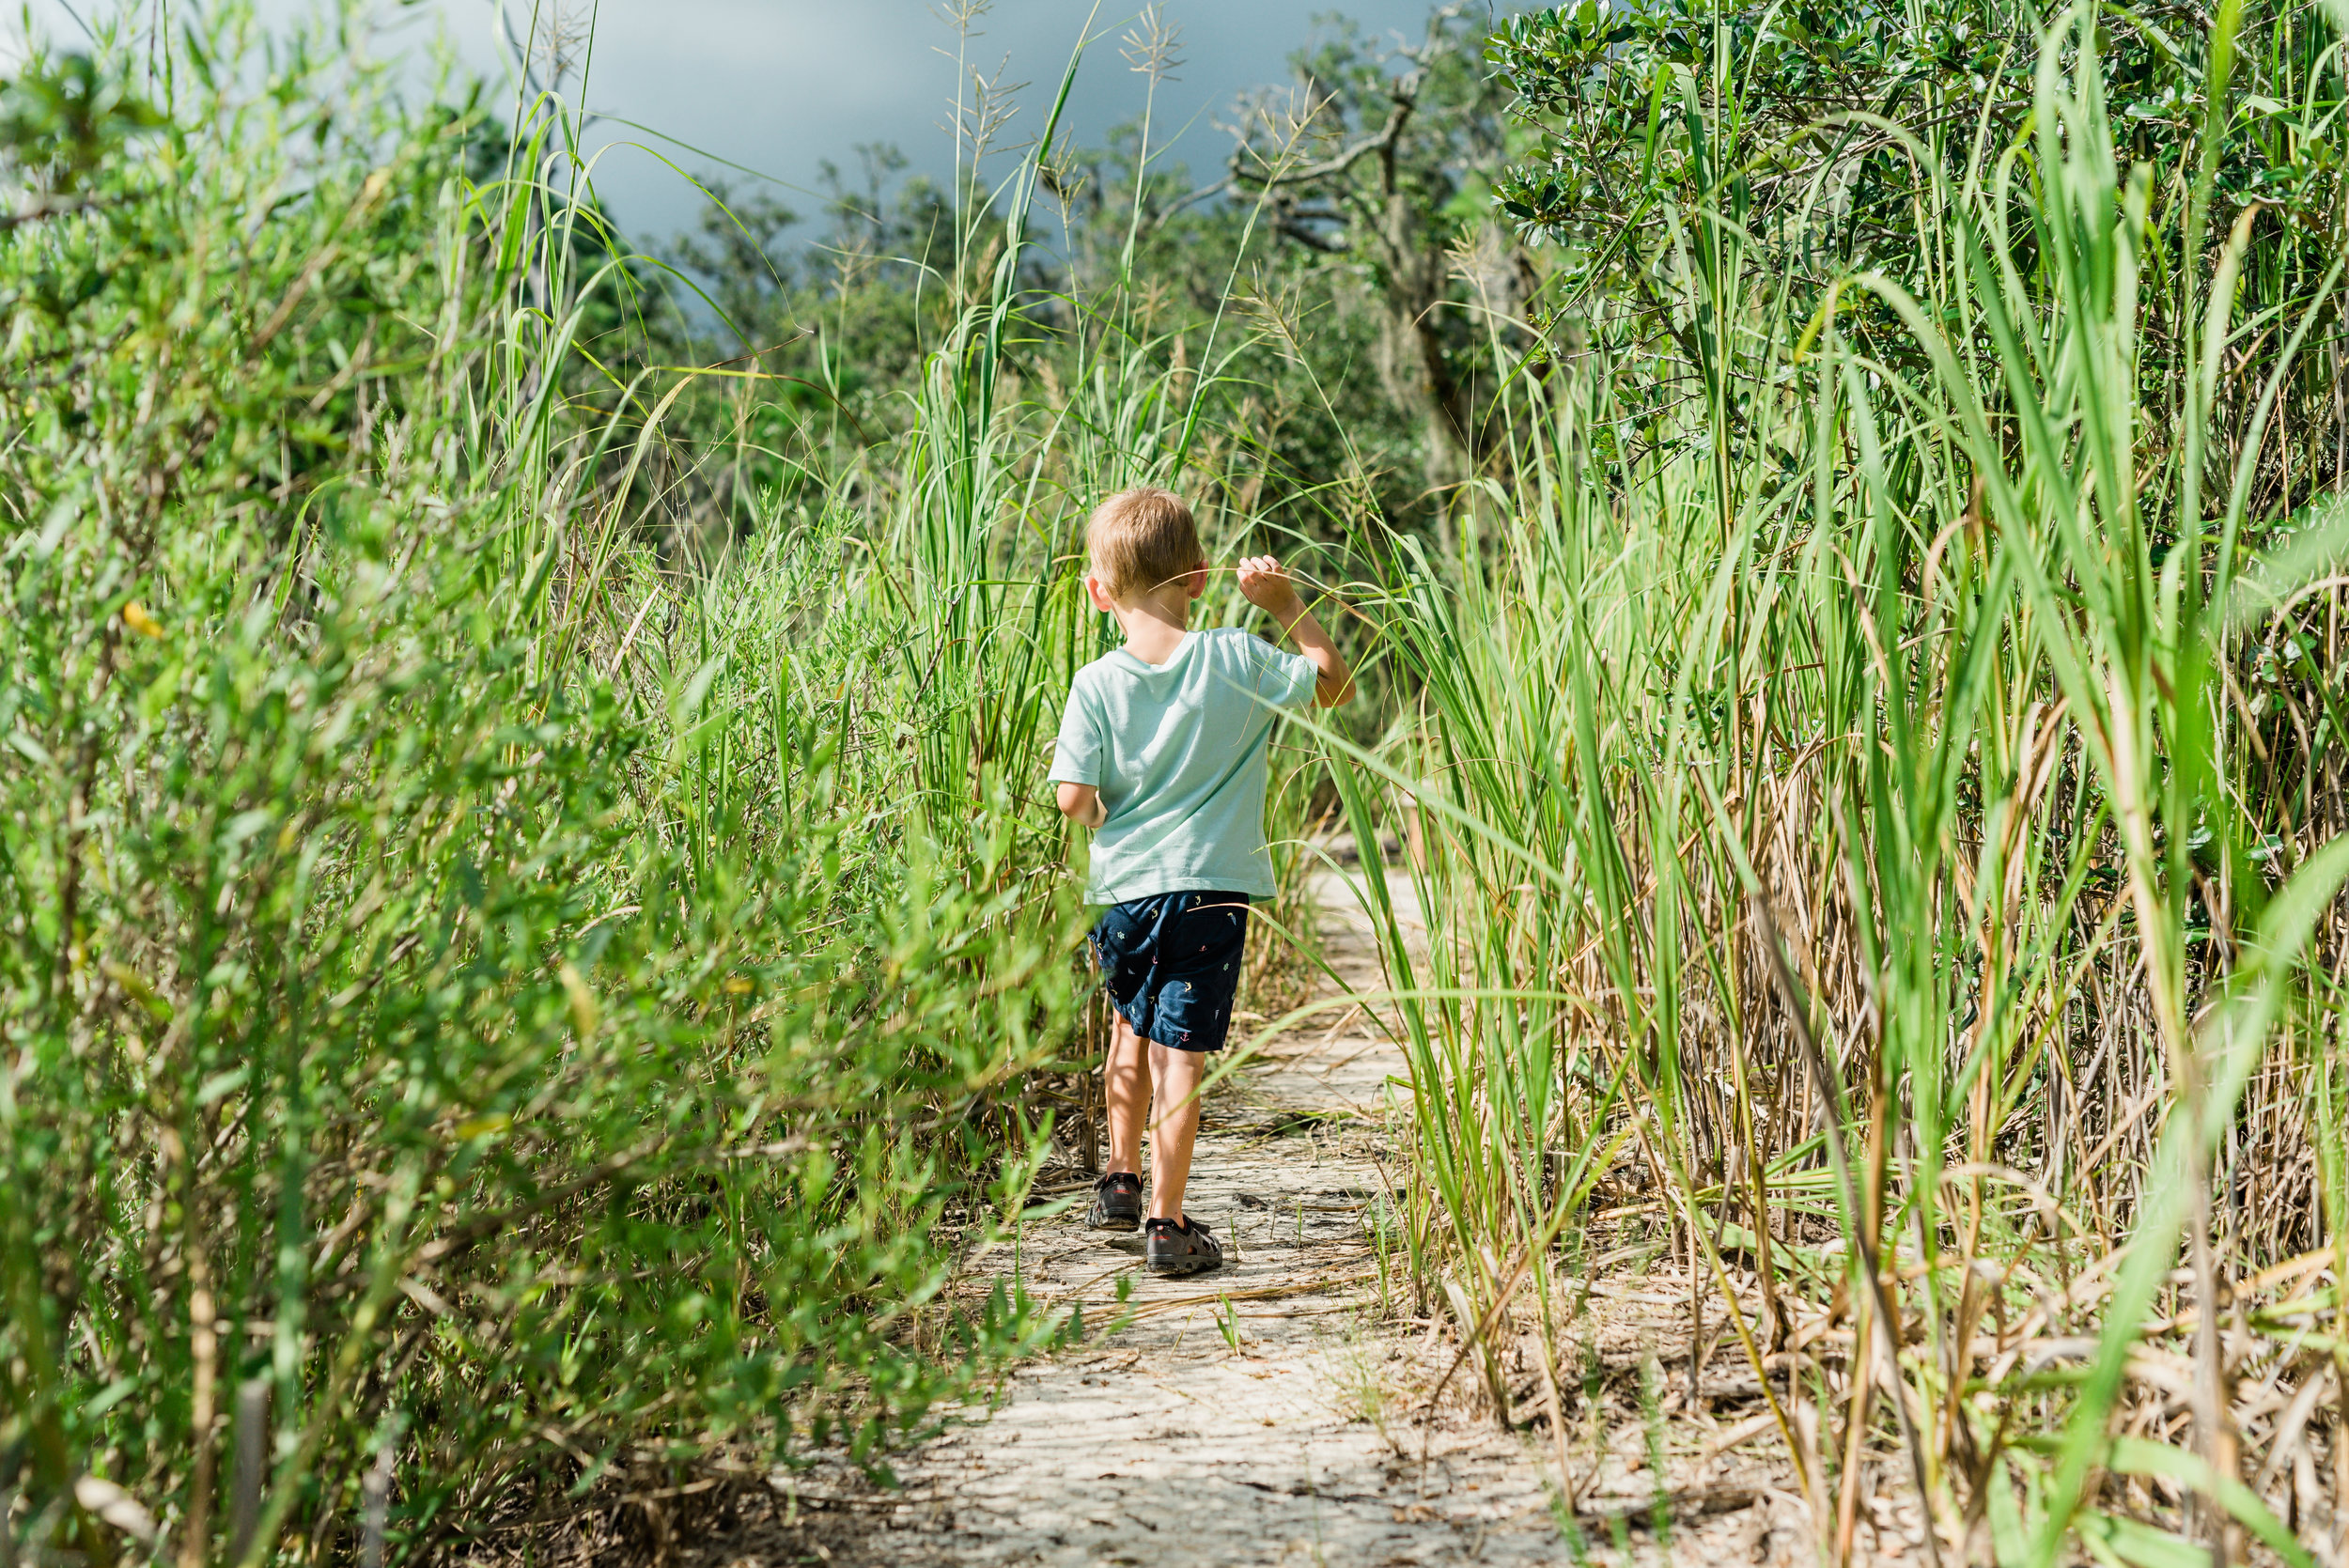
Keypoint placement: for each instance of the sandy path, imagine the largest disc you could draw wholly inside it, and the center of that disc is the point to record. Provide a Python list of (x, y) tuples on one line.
[(1310, 1439), (1161, 1443)]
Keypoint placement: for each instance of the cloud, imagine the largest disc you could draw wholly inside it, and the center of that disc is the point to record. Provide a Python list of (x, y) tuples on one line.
[(784, 85)]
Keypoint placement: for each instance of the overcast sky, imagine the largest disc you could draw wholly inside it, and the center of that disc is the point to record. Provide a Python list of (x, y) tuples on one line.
[(781, 86)]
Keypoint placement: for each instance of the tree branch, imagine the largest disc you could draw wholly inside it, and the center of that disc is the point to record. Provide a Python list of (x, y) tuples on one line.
[(1404, 95), (1312, 239)]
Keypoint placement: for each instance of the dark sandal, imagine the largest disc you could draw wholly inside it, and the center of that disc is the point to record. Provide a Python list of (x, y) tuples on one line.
[(1184, 1249), (1116, 1203)]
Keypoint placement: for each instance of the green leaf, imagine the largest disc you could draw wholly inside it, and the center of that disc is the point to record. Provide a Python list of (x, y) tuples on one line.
[(2116, 1540), (2138, 1456), (222, 1083)]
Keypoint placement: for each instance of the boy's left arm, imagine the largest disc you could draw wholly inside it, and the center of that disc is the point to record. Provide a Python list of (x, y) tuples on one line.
[(1274, 591)]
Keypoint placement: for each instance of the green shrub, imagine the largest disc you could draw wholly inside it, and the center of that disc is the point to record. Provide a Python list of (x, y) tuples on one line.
[(450, 1033)]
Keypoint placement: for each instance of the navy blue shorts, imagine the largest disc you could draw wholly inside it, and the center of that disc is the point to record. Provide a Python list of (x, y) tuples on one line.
[(1172, 964)]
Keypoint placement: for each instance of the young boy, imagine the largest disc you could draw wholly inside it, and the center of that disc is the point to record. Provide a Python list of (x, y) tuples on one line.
[(1162, 754)]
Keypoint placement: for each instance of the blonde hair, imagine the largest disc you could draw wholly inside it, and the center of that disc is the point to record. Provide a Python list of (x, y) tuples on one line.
[(1141, 538)]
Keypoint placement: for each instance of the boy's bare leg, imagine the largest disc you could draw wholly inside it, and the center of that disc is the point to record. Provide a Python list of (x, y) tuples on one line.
[(1176, 1128), (1126, 1085)]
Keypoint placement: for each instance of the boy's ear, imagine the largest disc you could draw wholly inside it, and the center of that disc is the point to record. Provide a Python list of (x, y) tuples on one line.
[(1099, 595), (1195, 580)]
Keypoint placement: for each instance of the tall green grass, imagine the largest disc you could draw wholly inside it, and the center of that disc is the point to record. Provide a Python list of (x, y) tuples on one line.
[(1843, 802)]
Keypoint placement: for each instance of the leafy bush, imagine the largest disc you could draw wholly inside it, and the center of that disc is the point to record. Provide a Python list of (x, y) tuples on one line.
[(452, 1038)]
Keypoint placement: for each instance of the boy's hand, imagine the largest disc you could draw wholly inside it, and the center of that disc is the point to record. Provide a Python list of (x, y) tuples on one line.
[(1270, 589), (1274, 591)]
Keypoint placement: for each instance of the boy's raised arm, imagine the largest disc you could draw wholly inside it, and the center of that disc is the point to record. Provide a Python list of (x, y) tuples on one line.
[(1274, 591)]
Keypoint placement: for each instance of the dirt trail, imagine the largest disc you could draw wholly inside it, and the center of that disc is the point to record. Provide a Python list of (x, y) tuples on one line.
[(1164, 1444), (1310, 1440)]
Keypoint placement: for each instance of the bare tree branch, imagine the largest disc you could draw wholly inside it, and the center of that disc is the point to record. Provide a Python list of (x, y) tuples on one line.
[(1405, 95)]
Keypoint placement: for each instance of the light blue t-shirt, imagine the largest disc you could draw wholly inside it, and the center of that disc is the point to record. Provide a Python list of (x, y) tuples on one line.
[(1177, 750)]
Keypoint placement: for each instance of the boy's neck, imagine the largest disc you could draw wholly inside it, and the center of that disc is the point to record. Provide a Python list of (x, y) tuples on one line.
[(1155, 624)]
